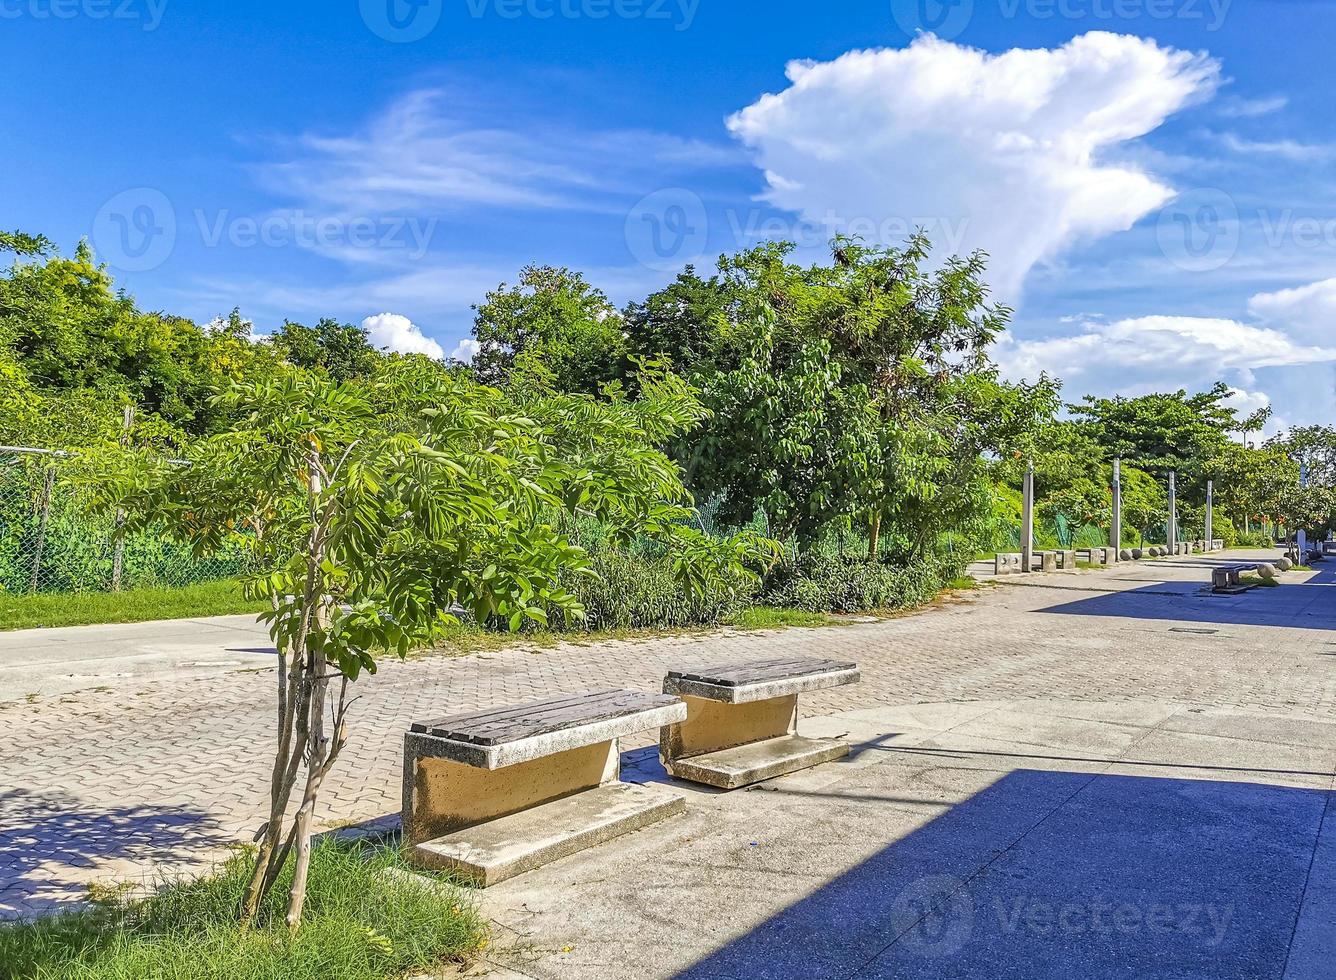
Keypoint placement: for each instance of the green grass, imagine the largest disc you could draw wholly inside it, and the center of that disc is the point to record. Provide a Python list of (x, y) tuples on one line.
[(962, 583), (360, 924), (135, 606), (1249, 578), (771, 617)]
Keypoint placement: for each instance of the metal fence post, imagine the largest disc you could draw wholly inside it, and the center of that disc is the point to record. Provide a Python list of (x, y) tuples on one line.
[(43, 518), (118, 556)]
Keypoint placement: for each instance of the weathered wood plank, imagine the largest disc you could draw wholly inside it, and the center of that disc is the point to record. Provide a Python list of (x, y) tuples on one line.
[(498, 726), (759, 671)]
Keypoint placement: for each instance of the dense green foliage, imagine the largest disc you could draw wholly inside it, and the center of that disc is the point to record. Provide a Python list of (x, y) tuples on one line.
[(363, 924), (851, 401)]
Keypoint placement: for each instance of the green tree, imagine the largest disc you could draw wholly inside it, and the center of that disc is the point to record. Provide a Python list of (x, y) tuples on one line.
[(682, 322), (553, 318), (370, 524), (1165, 431), (340, 350)]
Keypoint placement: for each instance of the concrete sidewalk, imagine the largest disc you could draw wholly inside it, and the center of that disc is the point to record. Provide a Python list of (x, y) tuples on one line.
[(1037, 839)]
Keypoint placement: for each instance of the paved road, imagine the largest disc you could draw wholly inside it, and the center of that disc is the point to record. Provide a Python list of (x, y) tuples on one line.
[(155, 767), (47, 662)]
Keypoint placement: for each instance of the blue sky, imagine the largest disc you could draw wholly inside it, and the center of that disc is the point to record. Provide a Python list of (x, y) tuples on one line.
[(1153, 178)]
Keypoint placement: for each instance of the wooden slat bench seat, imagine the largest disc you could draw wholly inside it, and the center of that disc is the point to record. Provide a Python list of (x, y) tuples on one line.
[(741, 723), (493, 793)]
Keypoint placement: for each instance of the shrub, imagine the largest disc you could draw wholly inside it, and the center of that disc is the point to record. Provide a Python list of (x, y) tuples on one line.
[(1255, 539), (851, 583), (636, 588)]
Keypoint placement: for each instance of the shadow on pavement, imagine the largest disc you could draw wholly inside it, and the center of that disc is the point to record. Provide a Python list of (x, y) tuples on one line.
[(50, 842), (1060, 875), (1309, 604)]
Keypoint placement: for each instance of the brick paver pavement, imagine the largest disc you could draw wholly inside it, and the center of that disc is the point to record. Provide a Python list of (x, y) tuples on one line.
[(112, 782)]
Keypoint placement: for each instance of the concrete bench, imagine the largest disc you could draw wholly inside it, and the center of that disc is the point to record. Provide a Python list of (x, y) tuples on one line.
[(1228, 579), (742, 720), (1098, 556), (1007, 563), (491, 794)]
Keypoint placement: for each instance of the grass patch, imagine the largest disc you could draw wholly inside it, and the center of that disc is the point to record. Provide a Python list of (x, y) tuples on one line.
[(1251, 578), (133, 606), (962, 583), (772, 617), (360, 924)]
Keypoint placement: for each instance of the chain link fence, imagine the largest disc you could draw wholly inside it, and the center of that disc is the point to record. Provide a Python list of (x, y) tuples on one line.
[(51, 542)]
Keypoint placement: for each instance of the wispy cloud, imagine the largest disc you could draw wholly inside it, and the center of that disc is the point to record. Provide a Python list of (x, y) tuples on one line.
[(1286, 149), (421, 153), (1239, 108)]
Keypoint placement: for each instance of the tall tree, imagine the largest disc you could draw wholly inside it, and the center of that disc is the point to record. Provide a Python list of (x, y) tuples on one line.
[(340, 350), (551, 318)]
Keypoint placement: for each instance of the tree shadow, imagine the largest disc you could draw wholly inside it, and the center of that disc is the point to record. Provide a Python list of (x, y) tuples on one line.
[(1059, 875), (53, 844)]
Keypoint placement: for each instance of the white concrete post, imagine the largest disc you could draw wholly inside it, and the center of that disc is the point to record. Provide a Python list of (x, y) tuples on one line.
[(1027, 518), (1171, 532), (1116, 529), (1303, 535), (1210, 504)]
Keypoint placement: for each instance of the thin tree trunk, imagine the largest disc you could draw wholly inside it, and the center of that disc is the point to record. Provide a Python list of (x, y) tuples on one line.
[(874, 535)]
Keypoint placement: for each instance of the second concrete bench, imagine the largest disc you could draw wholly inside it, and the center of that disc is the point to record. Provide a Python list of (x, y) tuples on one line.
[(741, 723)]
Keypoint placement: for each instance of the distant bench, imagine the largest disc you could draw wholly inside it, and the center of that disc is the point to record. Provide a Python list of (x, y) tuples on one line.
[(490, 794), (1228, 579), (1040, 561), (741, 720)]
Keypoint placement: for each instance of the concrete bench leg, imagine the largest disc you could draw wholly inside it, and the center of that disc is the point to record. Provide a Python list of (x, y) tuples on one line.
[(488, 825), (733, 745)]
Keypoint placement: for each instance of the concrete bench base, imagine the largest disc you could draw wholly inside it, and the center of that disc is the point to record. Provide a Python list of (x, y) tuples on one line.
[(491, 852), (743, 765)]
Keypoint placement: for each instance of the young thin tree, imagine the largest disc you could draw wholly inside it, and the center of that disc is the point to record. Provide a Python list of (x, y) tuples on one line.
[(376, 509)]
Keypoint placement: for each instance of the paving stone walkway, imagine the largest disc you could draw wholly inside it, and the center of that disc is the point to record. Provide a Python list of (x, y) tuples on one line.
[(163, 770)]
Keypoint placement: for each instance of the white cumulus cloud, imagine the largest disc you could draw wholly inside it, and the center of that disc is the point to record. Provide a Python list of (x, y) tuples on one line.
[(1010, 149), (1158, 352), (466, 349), (398, 333), (1305, 311)]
